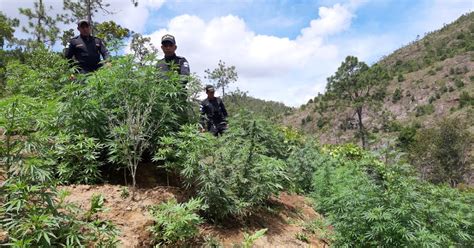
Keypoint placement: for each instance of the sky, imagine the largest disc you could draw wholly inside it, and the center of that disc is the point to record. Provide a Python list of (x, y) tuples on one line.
[(282, 50)]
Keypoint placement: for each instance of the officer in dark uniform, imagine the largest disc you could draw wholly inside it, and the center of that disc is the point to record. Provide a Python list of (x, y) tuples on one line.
[(86, 49), (171, 60), (213, 113)]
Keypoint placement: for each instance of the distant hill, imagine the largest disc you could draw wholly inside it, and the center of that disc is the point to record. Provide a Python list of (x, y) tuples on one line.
[(431, 78), (237, 100)]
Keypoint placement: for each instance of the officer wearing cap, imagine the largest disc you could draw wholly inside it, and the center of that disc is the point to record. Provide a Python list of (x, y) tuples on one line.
[(86, 49), (213, 113), (171, 60)]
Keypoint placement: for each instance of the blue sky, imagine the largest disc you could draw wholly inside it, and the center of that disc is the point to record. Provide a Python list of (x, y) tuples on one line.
[(283, 50)]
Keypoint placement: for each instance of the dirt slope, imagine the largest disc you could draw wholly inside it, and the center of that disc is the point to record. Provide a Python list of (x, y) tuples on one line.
[(284, 219)]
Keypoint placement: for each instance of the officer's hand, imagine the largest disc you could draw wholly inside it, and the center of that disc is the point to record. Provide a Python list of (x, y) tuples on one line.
[(202, 130), (72, 77)]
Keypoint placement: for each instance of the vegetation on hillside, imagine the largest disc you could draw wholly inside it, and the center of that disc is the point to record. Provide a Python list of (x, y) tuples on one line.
[(55, 131)]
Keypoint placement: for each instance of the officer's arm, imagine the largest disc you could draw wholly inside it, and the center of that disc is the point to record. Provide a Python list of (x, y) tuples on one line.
[(103, 50), (69, 52), (184, 67), (224, 111), (203, 119)]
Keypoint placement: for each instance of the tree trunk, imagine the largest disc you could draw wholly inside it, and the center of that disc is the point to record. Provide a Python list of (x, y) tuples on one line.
[(361, 127), (89, 15), (40, 17)]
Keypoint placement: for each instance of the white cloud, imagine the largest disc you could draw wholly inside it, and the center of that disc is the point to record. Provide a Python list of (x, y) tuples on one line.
[(124, 13), (269, 67)]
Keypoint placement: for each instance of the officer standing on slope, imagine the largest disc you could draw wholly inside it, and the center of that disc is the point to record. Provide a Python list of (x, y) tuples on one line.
[(213, 113), (86, 49), (171, 61)]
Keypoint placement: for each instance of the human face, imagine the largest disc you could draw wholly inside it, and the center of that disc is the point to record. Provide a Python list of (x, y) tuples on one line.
[(169, 49), (84, 30), (210, 94)]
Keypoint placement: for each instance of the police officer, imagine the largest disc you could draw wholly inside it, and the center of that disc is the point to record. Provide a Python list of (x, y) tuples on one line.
[(86, 49), (213, 113), (171, 60)]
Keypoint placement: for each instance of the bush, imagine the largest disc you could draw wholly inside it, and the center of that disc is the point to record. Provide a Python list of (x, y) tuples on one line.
[(33, 212), (42, 75), (441, 154), (176, 223), (301, 165), (431, 99), (400, 78), (372, 204), (406, 137), (424, 110), (459, 83), (77, 159), (234, 173), (322, 122), (465, 99), (397, 95)]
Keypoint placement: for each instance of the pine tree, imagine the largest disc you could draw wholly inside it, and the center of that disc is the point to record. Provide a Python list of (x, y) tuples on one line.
[(358, 86), (223, 75), (7, 30), (41, 26)]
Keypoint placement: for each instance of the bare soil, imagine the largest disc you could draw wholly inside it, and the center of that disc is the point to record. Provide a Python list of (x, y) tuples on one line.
[(284, 217)]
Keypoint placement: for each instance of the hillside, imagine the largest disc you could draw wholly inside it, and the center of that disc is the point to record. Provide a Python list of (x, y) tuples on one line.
[(237, 100), (431, 78)]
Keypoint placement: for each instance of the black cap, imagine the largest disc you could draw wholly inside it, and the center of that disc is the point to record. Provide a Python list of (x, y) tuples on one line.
[(210, 88), (168, 38), (83, 21)]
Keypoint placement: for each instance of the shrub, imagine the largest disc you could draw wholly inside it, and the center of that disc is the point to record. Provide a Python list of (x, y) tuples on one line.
[(400, 78), (372, 204), (34, 213), (397, 95), (431, 99), (176, 223), (424, 110), (42, 74), (234, 173), (406, 137), (301, 165), (441, 154), (459, 83), (322, 122), (465, 99), (77, 159)]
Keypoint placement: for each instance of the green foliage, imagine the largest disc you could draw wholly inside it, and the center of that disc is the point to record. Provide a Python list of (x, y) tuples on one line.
[(431, 99), (421, 110), (42, 74), (235, 173), (400, 78), (459, 83), (397, 95), (42, 27), (7, 30), (372, 204), (249, 239), (406, 137), (112, 34), (441, 154), (223, 76), (77, 158), (465, 99), (306, 120), (35, 214), (176, 223), (358, 86), (319, 227), (237, 100), (301, 165)]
